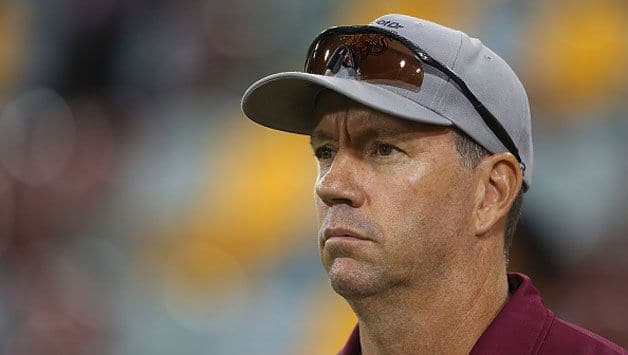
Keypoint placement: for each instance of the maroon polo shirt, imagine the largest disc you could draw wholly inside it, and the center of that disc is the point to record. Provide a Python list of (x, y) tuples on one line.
[(525, 326)]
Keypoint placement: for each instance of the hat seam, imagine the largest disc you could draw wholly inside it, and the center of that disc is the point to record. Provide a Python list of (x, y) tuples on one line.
[(447, 82), (436, 101)]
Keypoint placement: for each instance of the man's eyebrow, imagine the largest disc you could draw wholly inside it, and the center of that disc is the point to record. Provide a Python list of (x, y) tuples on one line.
[(320, 136)]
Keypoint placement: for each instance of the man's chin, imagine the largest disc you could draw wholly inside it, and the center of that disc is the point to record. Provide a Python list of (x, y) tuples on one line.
[(353, 279)]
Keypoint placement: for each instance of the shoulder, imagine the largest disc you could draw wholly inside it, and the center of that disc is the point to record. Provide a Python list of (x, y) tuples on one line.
[(563, 337)]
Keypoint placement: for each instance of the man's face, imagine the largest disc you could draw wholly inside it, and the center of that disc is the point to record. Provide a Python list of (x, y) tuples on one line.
[(393, 199)]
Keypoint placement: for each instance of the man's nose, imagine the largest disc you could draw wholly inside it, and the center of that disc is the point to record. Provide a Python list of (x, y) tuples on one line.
[(340, 183)]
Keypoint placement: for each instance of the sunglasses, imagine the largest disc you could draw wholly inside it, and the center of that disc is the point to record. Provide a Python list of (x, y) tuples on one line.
[(379, 56)]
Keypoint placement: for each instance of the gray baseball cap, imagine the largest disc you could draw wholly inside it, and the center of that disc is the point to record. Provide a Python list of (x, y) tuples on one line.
[(285, 101)]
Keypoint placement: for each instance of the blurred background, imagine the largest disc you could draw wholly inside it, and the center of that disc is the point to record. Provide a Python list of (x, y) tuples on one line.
[(141, 213)]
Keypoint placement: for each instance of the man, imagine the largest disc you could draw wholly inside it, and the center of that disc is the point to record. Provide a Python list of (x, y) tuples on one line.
[(423, 142)]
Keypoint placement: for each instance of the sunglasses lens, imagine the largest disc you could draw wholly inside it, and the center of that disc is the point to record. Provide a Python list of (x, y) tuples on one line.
[(378, 59)]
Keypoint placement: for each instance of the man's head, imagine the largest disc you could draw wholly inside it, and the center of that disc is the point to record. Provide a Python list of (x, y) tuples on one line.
[(412, 205), (423, 141)]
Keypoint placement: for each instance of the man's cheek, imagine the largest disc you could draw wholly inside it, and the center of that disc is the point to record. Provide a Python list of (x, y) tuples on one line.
[(321, 210)]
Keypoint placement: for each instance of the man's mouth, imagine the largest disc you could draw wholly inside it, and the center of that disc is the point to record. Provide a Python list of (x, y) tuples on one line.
[(342, 234)]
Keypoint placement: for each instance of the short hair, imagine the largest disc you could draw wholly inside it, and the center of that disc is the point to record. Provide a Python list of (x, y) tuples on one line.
[(472, 154)]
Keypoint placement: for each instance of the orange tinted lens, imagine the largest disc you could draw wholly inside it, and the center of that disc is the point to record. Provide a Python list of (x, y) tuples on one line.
[(323, 50), (379, 59)]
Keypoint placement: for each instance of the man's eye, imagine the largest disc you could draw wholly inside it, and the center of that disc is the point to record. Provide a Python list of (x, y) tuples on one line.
[(385, 149), (324, 153)]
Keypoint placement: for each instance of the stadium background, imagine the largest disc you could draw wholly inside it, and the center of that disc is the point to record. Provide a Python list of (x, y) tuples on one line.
[(140, 213)]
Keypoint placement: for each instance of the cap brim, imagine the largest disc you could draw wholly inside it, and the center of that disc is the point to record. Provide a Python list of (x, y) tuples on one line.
[(285, 101)]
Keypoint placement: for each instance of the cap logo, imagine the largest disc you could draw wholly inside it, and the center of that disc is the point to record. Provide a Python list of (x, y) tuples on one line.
[(389, 24)]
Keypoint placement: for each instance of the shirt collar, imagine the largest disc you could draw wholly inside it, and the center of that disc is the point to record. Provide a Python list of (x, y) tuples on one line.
[(517, 328)]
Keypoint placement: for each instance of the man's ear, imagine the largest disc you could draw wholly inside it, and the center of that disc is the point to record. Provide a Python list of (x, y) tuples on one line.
[(499, 180)]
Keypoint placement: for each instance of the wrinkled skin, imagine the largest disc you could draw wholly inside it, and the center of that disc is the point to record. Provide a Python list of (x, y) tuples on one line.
[(416, 243), (400, 184)]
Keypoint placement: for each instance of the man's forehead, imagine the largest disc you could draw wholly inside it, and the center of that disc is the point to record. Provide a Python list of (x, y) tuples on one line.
[(340, 113), (362, 126)]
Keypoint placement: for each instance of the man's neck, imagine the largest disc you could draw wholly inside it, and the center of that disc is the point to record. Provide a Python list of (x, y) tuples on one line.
[(446, 318)]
